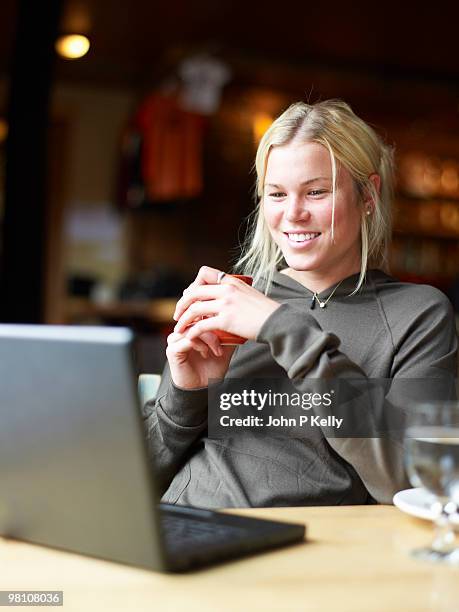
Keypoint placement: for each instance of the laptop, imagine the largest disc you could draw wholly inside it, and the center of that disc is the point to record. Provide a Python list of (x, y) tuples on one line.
[(74, 469)]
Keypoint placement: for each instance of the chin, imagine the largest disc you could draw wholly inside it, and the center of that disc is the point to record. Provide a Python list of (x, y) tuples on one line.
[(299, 264)]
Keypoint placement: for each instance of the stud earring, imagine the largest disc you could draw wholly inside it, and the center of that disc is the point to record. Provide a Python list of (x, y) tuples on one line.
[(368, 211)]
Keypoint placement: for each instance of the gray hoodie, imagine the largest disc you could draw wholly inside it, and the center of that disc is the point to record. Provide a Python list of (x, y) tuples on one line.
[(389, 329)]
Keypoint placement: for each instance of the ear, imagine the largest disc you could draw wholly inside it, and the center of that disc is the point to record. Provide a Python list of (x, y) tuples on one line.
[(376, 180)]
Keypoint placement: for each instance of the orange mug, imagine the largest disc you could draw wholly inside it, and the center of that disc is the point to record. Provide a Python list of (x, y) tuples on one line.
[(227, 339)]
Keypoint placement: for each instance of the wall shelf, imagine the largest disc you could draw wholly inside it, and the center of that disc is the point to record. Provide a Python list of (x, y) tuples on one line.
[(158, 312)]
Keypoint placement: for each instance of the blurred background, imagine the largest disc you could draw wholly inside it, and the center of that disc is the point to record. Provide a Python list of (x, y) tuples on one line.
[(126, 152)]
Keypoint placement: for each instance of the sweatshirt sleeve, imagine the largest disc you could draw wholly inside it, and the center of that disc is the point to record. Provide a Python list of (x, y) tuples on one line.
[(426, 351), (173, 422)]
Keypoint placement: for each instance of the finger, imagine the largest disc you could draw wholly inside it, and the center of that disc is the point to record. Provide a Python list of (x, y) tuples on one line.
[(205, 325), (174, 338), (197, 311), (193, 294), (207, 340), (212, 342), (207, 276), (185, 345)]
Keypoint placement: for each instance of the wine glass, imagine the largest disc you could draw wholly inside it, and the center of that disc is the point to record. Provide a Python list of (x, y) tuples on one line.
[(432, 462)]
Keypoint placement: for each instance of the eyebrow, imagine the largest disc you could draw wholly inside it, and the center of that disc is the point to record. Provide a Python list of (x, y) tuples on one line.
[(317, 178)]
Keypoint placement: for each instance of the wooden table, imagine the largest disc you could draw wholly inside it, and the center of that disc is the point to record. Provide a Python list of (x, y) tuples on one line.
[(356, 559)]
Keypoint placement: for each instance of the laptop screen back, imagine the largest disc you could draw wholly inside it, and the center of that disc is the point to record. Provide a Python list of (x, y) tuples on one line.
[(73, 468)]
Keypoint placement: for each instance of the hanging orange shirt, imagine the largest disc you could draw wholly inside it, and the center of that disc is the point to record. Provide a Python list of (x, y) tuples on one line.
[(172, 149)]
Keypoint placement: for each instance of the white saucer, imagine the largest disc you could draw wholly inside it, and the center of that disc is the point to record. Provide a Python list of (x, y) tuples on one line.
[(417, 502)]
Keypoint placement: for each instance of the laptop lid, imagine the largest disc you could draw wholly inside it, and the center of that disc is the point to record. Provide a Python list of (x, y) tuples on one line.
[(73, 463)]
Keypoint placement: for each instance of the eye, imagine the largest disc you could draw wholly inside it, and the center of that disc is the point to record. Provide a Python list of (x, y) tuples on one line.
[(317, 192), (277, 194)]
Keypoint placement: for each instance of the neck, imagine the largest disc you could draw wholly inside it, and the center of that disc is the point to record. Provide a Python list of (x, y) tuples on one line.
[(318, 282)]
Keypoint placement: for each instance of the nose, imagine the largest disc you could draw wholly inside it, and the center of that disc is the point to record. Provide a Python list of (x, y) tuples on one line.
[(297, 210)]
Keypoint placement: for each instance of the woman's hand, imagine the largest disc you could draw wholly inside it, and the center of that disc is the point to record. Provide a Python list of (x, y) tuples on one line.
[(193, 362), (231, 306)]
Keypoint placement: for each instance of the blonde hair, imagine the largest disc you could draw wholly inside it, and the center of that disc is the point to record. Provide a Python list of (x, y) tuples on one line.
[(352, 142)]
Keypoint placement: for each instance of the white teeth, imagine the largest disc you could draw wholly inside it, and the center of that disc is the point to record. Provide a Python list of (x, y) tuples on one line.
[(302, 237)]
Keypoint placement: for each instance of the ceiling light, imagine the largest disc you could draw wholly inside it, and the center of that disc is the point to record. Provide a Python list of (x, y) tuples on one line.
[(72, 46), (261, 122)]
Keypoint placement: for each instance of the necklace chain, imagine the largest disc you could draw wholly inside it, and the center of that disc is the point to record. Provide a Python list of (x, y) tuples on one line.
[(315, 297)]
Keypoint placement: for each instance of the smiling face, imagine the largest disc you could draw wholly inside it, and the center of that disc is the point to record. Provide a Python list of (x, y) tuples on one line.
[(298, 205)]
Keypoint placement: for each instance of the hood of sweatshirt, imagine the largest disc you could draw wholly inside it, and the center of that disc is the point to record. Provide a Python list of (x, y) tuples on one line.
[(285, 288)]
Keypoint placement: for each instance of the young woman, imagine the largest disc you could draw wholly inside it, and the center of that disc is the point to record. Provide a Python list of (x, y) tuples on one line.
[(320, 238)]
